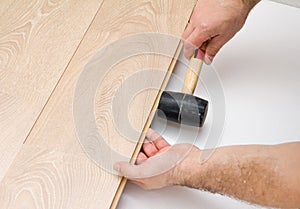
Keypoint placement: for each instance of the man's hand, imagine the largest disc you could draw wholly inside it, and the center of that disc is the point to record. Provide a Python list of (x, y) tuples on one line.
[(158, 164), (265, 175), (217, 21)]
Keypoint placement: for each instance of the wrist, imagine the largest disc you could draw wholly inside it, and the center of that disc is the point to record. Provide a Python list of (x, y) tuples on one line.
[(187, 172), (194, 173)]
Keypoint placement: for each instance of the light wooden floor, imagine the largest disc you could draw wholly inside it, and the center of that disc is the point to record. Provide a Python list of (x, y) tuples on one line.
[(44, 48)]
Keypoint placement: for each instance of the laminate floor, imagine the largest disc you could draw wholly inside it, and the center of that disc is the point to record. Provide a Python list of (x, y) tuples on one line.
[(69, 71)]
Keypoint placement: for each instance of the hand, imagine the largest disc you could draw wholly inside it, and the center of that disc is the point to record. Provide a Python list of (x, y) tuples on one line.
[(216, 21), (244, 172), (158, 164)]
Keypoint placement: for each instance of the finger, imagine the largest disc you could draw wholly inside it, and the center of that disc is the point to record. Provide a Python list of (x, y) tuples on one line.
[(213, 48), (188, 47), (194, 41), (149, 149), (188, 50), (198, 37), (141, 158), (157, 139), (126, 169), (136, 172), (164, 149), (189, 29)]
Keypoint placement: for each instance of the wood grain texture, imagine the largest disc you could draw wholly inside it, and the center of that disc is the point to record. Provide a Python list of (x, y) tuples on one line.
[(52, 170), (148, 122), (37, 40), (55, 180)]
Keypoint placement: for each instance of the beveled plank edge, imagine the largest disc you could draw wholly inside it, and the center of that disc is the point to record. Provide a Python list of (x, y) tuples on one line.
[(148, 123), (138, 147), (63, 73)]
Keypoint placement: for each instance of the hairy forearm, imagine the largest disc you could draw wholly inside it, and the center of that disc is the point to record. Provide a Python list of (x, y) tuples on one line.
[(265, 175), (250, 3)]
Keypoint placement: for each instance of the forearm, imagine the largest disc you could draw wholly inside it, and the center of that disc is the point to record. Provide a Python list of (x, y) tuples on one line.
[(250, 3), (265, 175)]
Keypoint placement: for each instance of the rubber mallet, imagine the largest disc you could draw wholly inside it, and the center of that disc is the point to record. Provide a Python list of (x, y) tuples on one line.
[(183, 107)]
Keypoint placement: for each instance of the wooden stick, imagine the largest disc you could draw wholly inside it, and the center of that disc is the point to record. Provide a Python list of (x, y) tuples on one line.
[(193, 71), (192, 75)]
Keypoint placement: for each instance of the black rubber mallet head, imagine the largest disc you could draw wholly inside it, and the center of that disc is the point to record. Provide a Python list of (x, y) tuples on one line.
[(183, 107)]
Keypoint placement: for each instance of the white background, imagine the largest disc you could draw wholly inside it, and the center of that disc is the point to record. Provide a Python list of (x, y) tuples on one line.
[(260, 73)]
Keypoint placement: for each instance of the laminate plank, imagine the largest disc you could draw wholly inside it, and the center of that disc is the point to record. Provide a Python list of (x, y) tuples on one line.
[(44, 178), (147, 124), (39, 177), (5, 5), (37, 40)]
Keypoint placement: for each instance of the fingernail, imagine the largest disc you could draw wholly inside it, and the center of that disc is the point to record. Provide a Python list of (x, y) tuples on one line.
[(200, 54), (208, 59), (117, 167)]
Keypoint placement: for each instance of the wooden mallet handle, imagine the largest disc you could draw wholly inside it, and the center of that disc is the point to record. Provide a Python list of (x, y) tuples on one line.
[(193, 71)]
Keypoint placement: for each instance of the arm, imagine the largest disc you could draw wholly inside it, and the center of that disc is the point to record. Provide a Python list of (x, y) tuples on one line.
[(217, 21), (265, 175)]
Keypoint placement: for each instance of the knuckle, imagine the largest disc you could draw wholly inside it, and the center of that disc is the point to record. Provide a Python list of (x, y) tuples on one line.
[(203, 26)]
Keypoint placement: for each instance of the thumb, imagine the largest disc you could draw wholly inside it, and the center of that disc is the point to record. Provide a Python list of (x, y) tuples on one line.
[(125, 169)]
